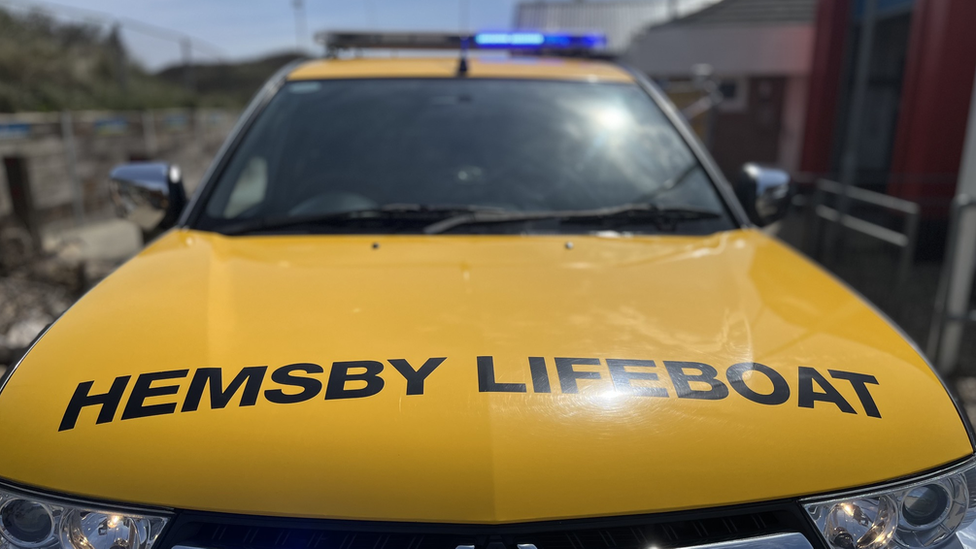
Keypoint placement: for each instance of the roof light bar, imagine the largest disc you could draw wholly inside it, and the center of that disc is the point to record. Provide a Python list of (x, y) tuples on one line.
[(508, 40)]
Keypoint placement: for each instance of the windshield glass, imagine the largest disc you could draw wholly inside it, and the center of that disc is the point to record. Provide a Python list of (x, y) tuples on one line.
[(417, 151)]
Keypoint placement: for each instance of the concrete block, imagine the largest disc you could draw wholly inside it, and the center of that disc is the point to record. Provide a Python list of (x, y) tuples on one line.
[(110, 240)]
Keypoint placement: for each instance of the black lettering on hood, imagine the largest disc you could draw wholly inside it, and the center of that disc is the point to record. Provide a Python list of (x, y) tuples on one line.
[(302, 383)]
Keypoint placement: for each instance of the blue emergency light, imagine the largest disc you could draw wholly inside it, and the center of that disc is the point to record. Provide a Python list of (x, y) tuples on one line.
[(539, 41)]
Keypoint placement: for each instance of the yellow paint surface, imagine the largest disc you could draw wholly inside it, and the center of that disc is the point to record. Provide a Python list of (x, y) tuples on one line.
[(446, 67), (454, 454)]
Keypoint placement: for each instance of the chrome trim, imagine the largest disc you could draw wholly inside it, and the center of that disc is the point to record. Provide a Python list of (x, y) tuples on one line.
[(143, 193), (34, 494), (254, 108), (896, 484), (776, 541), (772, 188)]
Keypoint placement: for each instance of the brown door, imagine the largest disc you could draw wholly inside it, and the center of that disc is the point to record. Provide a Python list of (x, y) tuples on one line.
[(22, 204), (750, 134)]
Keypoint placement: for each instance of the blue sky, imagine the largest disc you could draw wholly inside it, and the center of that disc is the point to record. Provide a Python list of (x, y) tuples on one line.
[(248, 28)]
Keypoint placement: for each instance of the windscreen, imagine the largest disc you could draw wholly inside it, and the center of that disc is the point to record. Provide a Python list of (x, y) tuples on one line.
[(328, 147)]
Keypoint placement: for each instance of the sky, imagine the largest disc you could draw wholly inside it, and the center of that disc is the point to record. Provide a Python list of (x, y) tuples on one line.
[(249, 28)]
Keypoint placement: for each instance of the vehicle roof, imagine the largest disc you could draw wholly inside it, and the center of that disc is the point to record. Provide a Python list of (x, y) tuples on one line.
[(446, 67)]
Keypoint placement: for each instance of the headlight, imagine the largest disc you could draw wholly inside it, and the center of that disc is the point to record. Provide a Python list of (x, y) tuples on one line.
[(29, 522), (930, 513)]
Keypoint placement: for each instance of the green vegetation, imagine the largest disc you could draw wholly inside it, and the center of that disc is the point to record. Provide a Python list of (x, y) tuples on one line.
[(230, 84), (49, 65)]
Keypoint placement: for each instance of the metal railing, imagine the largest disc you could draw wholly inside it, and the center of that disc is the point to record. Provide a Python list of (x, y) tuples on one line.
[(942, 318), (905, 239)]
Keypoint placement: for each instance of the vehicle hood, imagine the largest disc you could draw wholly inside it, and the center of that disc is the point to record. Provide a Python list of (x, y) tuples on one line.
[(322, 423)]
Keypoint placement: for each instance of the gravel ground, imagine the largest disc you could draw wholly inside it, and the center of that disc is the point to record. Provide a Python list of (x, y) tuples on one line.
[(29, 301), (36, 287)]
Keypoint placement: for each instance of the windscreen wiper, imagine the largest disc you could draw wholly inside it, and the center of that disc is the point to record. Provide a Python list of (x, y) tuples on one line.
[(663, 218), (397, 212), (674, 182)]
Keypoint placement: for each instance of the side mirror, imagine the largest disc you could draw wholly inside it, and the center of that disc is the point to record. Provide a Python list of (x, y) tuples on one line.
[(764, 193), (149, 194)]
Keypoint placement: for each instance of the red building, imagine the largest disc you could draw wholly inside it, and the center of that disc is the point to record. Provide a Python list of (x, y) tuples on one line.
[(919, 88)]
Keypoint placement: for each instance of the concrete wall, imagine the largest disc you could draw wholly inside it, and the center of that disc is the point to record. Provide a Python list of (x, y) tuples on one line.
[(101, 140), (774, 57), (620, 20), (758, 50)]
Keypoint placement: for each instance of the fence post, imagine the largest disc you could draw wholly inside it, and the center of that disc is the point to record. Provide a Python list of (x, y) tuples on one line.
[(814, 223), (908, 252), (958, 272), (852, 133), (71, 161), (149, 133), (946, 330)]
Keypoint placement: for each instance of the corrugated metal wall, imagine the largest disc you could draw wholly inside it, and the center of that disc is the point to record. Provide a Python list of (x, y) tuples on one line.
[(619, 20)]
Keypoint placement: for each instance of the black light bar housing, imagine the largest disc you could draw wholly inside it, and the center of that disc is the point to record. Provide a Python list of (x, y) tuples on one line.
[(341, 40)]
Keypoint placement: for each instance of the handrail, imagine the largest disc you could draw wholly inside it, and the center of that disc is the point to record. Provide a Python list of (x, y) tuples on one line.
[(871, 197), (906, 239)]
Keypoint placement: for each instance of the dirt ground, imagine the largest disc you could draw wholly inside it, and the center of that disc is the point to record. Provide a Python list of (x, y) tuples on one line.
[(37, 286), (28, 303)]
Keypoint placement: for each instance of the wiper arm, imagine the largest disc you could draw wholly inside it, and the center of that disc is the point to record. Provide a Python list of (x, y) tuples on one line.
[(674, 182), (613, 216), (390, 211)]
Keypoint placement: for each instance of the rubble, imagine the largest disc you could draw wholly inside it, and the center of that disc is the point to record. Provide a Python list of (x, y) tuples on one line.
[(33, 295), (36, 294), (35, 288), (29, 301), (23, 332)]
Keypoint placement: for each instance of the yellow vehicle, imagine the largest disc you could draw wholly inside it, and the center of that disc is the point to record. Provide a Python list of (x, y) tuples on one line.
[(473, 304)]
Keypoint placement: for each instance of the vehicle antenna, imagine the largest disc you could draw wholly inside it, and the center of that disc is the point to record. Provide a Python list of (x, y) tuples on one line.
[(462, 69)]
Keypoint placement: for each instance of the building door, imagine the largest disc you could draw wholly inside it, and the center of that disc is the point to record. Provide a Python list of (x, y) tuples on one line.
[(748, 129), (21, 201), (883, 98)]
